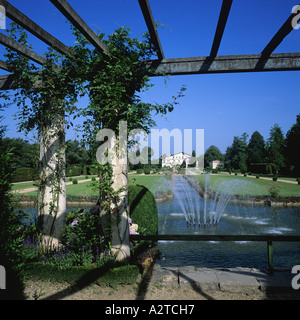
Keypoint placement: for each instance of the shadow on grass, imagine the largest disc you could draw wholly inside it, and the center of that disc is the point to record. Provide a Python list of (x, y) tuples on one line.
[(84, 281)]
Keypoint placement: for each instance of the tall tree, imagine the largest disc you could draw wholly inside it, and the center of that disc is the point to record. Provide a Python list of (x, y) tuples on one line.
[(276, 148), (212, 153), (76, 154), (24, 154), (236, 155), (293, 147), (256, 149)]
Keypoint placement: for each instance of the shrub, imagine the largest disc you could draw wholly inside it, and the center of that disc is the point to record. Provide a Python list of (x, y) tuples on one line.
[(298, 180), (275, 177), (82, 230), (23, 174), (73, 171), (139, 171), (147, 170), (143, 208), (10, 232), (273, 190), (257, 176), (75, 181)]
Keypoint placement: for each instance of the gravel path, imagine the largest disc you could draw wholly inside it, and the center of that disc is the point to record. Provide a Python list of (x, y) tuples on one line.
[(38, 290)]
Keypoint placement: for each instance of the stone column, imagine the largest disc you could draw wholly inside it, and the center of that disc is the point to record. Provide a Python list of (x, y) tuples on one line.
[(120, 209), (52, 188), (120, 213)]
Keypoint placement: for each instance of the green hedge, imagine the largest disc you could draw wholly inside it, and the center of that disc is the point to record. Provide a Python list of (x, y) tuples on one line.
[(143, 208), (74, 171), (24, 174)]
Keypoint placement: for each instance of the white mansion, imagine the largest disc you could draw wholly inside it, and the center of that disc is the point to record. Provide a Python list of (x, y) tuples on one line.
[(176, 160)]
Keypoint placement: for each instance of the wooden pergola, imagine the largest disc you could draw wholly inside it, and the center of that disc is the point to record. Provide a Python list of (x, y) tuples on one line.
[(264, 61)]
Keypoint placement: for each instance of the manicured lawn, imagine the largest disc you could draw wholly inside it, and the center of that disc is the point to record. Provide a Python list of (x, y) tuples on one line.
[(22, 185), (253, 186), (83, 189), (250, 186), (149, 181)]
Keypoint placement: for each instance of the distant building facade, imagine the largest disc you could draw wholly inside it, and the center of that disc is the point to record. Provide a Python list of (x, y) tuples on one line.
[(176, 160), (216, 163)]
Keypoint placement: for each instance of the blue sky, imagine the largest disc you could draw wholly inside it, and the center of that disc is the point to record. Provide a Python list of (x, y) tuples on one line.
[(224, 105)]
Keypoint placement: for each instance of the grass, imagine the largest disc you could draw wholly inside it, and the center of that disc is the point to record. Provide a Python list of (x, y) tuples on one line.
[(254, 187), (84, 190), (149, 181), (104, 276), (22, 185)]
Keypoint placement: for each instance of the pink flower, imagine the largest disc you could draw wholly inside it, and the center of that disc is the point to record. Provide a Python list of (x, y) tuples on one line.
[(74, 223)]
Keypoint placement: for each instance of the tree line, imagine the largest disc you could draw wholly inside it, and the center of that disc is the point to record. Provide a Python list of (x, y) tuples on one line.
[(279, 154), (26, 154)]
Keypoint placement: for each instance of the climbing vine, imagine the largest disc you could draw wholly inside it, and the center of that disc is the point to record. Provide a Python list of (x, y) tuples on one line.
[(112, 82)]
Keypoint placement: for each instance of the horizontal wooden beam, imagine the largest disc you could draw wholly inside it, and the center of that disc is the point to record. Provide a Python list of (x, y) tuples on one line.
[(23, 50), (203, 65), (214, 237), (224, 64), (64, 7), (8, 82), (147, 13), (280, 35), (21, 19), (225, 9), (4, 66)]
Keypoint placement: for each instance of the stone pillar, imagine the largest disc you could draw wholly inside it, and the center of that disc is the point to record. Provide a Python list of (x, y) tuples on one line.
[(52, 188), (120, 208)]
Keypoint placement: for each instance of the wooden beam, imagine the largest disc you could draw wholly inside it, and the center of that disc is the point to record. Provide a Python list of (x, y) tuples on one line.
[(64, 7), (204, 65), (224, 64), (14, 45), (4, 66), (8, 82), (21, 19), (216, 237), (279, 36), (147, 13), (226, 5)]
